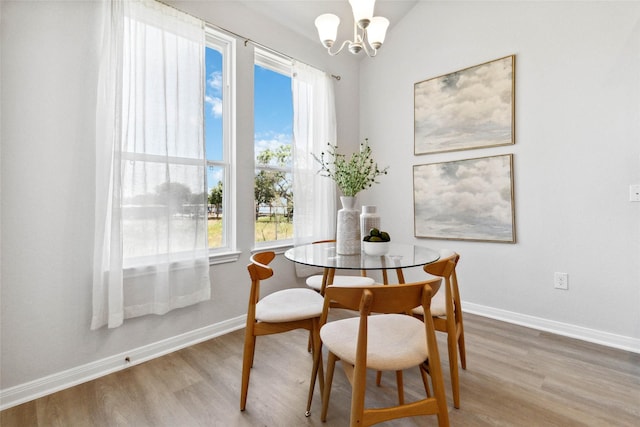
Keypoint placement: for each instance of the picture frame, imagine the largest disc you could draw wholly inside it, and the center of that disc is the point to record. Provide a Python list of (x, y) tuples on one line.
[(471, 199), (467, 109)]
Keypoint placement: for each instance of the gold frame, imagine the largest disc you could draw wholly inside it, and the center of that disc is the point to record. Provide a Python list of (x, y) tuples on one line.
[(453, 116)]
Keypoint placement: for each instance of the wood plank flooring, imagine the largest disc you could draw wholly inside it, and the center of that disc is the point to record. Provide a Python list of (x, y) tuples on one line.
[(515, 377)]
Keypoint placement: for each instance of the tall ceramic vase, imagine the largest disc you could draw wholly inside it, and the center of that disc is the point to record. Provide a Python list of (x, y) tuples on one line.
[(348, 228), (368, 219)]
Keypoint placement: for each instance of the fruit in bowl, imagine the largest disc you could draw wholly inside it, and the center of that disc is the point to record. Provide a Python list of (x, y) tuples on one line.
[(376, 243)]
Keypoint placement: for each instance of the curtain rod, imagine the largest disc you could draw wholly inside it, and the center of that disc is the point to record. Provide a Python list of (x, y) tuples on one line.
[(277, 52), (246, 39)]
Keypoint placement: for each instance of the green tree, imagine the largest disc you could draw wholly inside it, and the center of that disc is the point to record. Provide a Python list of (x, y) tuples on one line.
[(279, 181), (264, 189), (215, 198), (281, 157)]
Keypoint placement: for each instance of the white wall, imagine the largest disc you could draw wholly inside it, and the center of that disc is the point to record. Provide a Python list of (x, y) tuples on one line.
[(49, 63), (577, 150)]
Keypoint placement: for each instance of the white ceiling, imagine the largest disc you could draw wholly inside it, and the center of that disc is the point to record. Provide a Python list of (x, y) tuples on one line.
[(299, 15)]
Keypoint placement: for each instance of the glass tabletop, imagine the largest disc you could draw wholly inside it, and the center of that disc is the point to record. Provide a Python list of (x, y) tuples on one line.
[(399, 256)]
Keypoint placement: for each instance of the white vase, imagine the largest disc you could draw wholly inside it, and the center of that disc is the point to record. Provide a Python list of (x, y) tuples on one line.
[(348, 228), (368, 219)]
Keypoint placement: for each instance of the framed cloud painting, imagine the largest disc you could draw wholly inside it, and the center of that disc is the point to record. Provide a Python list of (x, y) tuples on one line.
[(470, 108), (465, 199)]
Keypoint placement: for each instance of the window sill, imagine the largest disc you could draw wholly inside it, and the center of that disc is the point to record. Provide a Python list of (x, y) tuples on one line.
[(224, 257), (278, 248)]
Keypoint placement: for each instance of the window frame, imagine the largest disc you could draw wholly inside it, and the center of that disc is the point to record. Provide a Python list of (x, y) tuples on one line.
[(282, 65), (226, 45)]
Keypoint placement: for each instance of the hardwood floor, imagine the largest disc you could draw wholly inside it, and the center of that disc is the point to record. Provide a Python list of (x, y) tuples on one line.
[(515, 377)]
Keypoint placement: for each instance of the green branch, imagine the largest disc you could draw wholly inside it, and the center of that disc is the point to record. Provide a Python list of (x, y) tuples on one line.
[(353, 175)]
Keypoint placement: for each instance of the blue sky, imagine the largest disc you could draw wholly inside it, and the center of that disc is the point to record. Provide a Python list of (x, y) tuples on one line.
[(273, 109), (213, 104)]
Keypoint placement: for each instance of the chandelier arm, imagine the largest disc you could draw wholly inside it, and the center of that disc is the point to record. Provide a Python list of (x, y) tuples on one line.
[(356, 36), (344, 43), (365, 43)]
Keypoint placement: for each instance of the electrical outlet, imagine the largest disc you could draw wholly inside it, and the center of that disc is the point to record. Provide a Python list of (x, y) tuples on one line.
[(561, 281), (634, 193)]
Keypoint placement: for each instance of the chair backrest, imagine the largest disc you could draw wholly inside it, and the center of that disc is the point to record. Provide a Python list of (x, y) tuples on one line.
[(444, 267), (382, 299), (258, 270)]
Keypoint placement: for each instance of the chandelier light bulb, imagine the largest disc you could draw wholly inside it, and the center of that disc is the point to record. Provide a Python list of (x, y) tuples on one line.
[(377, 31), (362, 11), (327, 26)]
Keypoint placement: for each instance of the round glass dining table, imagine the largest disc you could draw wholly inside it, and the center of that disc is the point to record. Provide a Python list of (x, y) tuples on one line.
[(398, 257)]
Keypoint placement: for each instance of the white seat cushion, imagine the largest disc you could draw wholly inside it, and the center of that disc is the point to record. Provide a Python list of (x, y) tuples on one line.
[(438, 304), (289, 305), (315, 282), (395, 341)]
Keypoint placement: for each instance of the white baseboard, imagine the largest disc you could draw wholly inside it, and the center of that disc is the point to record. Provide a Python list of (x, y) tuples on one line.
[(22, 393), (585, 334)]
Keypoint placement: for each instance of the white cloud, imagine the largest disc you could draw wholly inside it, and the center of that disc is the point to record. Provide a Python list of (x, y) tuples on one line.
[(471, 107), (214, 175), (215, 81), (471, 194), (271, 141), (213, 97), (215, 104)]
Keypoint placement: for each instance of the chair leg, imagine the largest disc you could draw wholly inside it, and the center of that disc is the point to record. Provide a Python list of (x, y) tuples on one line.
[(400, 384), (314, 337), (438, 390), (331, 365), (463, 352), (312, 383), (247, 362), (359, 387), (318, 351), (425, 379), (453, 367)]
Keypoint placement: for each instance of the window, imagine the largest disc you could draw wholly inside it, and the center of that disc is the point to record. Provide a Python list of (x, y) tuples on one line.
[(273, 121), (150, 246), (219, 137)]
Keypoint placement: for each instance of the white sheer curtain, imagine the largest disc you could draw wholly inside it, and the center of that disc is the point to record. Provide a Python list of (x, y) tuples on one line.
[(314, 125), (150, 251)]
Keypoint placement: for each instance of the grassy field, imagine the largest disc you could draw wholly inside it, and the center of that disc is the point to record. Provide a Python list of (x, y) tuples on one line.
[(214, 228), (267, 229)]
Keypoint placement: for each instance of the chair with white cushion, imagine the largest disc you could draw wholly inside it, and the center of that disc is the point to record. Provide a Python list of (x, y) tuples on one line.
[(315, 282), (385, 341), (447, 315), (281, 311)]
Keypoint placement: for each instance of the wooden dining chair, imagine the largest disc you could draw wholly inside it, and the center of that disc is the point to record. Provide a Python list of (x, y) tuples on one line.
[(384, 341), (281, 311), (447, 315), (317, 281)]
